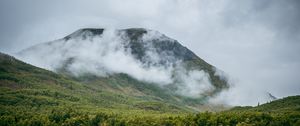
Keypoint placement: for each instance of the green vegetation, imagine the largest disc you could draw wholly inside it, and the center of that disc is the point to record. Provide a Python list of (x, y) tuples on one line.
[(288, 104), (77, 116), (34, 96)]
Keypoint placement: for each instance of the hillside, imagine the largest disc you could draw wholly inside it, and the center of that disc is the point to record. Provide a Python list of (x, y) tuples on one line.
[(26, 85), (288, 104), (34, 96), (123, 77), (137, 62)]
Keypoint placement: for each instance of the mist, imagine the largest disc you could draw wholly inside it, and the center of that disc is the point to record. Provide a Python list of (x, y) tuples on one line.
[(105, 55), (255, 42)]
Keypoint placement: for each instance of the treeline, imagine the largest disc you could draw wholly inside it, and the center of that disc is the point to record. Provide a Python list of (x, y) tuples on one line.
[(70, 117)]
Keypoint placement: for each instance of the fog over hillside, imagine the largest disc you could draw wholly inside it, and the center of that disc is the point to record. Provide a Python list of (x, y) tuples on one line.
[(104, 52)]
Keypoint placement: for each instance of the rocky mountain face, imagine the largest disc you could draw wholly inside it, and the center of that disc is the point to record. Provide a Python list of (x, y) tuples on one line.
[(169, 50), (120, 60)]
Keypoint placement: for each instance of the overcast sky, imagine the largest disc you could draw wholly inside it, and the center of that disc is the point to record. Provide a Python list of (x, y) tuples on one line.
[(256, 42)]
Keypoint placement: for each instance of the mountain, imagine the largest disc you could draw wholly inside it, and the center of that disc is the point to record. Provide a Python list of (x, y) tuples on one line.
[(23, 85), (68, 95), (137, 62)]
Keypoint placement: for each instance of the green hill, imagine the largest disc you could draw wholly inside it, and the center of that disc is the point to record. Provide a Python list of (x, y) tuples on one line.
[(34, 96), (288, 104), (26, 85)]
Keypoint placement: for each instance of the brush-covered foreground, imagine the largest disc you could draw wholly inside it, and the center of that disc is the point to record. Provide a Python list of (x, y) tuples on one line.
[(75, 116), (34, 96)]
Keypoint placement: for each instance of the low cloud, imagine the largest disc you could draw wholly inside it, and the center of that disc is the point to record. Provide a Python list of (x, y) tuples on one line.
[(106, 55)]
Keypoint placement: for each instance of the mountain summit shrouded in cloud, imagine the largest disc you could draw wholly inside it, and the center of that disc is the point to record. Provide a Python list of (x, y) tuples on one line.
[(156, 62), (255, 41), (143, 54)]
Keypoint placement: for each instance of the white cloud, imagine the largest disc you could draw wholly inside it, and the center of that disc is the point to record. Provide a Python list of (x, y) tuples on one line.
[(256, 42), (106, 55)]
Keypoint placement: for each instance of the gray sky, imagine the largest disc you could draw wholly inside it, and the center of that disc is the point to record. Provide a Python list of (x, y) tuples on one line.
[(256, 42)]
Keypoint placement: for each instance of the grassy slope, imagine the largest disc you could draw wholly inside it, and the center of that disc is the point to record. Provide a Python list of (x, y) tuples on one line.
[(24, 85), (288, 104), (33, 96)]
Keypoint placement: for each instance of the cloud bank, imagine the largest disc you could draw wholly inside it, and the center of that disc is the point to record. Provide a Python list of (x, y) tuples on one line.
[(106, 54)]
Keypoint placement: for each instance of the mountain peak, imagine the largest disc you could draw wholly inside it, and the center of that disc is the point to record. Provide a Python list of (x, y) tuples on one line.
[(84, 32), (133, 33), (139, 39)]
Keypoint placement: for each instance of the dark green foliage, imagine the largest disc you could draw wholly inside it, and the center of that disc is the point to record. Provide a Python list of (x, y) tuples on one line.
[(74, 118)]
